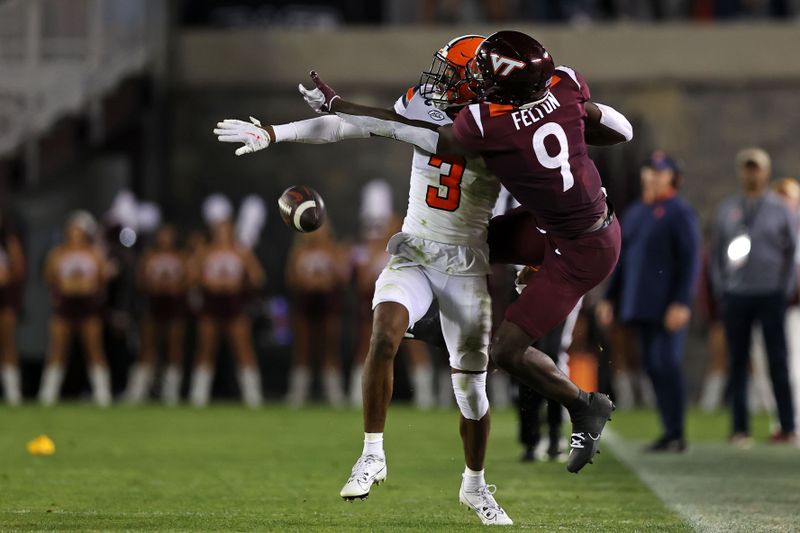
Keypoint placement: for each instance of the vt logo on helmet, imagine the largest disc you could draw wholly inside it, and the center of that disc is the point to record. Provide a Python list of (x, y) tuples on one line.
[(511, 67), (505, 63), (446, 84)]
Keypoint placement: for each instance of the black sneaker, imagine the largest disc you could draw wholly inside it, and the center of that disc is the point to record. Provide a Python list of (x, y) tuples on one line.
[(668, 445), (587, 425)]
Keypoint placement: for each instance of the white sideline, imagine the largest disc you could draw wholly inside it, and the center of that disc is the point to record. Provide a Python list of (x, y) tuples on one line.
[(716, 487)]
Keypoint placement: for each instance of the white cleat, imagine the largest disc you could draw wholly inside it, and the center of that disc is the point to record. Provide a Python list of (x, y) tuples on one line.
[(483, 503), (368, 469)]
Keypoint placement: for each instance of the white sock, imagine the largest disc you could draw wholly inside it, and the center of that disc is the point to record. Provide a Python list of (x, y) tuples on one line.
[(299, 386), (422, 381), (100, 379), (332, 387), (250, 383), (139, 382), (356, 396), (473, 479), (11, 384), (373, 444), (202, 376), (50, 388), (171, 386)]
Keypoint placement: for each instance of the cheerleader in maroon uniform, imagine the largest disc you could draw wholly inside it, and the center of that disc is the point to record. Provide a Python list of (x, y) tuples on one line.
[(226, 273), (162, 278), (77, 272), (12, 275), (316, 273)]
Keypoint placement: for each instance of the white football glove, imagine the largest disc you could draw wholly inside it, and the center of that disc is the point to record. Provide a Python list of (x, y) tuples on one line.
[(250, 134), (314, 98)]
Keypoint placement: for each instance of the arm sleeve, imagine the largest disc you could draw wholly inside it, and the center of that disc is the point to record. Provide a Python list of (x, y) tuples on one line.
[(319, 130), (686, 242), (614, 120), (423, 138)]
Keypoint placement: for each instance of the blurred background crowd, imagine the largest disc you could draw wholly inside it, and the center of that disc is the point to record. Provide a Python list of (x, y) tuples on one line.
[(140, 260)]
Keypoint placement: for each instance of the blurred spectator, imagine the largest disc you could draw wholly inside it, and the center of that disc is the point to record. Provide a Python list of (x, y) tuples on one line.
[(754, 272), (12, 275), (789, 191), (77, 273), (227, 274), (712, 393), (162, 280), (316, 274), (627, 380), (653, 286)]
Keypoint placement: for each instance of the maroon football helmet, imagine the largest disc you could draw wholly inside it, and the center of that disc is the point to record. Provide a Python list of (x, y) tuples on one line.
[(511, 67)]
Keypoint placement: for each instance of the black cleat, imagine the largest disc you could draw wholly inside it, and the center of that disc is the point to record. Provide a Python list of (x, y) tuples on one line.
[(587, 426)]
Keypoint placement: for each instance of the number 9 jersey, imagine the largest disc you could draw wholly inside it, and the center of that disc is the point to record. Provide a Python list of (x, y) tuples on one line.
[(450, 200), (539, 154)]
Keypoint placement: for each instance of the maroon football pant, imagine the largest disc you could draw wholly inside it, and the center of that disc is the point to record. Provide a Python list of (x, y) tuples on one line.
[(568, 268)]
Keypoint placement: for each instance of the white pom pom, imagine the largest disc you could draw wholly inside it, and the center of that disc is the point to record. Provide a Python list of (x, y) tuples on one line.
[(216, 208), (376, 200), (148, 217), (123, 209), (252, 216)]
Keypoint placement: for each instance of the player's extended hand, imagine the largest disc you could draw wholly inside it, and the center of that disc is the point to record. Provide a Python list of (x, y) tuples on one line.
[(251, 134), (320, 98), (677, 317)]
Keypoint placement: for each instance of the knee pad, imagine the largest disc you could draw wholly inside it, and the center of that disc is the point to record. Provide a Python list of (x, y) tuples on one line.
[(470, 392)]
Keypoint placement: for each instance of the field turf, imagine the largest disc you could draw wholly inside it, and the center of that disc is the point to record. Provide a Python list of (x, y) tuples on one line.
[(229, 469)]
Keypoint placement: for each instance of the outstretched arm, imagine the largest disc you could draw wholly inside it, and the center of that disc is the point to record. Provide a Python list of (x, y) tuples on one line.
[(438, 140), (605, 125), (254, 137)]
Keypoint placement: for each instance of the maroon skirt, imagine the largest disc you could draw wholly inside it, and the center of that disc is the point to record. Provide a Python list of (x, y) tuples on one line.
[(76, 308), (167, 306)]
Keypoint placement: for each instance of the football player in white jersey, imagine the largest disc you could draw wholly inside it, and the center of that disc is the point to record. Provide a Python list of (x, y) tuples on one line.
[(441, 253)]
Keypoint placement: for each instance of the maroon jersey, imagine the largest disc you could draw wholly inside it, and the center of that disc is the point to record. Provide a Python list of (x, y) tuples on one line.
[(539, 154)]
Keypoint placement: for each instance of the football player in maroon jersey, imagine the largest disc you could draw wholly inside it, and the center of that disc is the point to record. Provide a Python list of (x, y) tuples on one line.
[(531, 128)]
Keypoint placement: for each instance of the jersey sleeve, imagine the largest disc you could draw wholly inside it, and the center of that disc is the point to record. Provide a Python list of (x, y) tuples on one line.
[(573, 76), (401, 105)]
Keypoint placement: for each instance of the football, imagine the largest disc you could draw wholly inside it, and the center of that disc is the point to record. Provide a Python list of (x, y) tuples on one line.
[(302, 208)]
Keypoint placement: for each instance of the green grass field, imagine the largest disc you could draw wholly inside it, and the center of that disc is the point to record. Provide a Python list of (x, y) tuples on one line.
[(229, 469)]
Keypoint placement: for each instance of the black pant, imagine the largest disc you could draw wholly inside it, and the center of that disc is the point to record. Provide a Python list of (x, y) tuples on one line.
[(662, 357), (739, 313), (530, 401)]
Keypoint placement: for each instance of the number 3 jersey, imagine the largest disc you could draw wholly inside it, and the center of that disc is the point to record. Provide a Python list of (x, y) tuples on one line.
[(539, 154), (450, 202)]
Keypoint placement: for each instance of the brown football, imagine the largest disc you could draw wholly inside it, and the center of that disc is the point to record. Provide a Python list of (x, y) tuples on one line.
[(302, 208)]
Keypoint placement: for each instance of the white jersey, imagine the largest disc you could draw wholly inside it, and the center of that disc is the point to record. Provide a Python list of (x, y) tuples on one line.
[(450, 202)]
